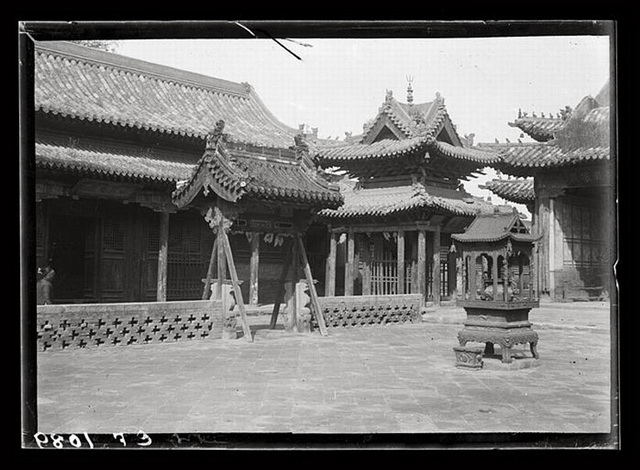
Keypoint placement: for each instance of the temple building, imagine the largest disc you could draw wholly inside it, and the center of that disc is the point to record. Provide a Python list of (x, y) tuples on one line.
[(403, 198), (565, 176), (122, 148)]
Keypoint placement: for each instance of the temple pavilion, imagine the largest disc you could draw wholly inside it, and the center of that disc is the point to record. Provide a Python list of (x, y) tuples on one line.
[(566, 178), (403, 198), (124, 151)]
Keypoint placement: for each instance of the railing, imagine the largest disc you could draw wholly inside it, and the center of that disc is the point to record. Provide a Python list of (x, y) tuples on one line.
[(384, 277), (365, 310), (102, 325)]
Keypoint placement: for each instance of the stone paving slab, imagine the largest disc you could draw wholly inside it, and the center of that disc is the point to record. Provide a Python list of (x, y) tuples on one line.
[(378, 379)]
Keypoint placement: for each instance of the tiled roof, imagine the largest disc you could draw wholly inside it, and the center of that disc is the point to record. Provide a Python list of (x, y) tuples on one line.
[(358, 151), (538, 155), (583, 136), (389, 148), (519, 191), (382, 202), (471, 154), (109, 160), (421, 119), (488, 227), (233, 177), (92, 85), (541, 129)]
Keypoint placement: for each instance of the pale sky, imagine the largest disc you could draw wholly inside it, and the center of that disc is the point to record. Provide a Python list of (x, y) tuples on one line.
[(340, 83)]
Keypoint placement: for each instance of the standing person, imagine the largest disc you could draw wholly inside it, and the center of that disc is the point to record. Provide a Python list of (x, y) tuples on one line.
[(45, 286)]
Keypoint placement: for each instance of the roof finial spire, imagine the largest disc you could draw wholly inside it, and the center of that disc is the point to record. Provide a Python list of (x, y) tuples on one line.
[(409, 90)]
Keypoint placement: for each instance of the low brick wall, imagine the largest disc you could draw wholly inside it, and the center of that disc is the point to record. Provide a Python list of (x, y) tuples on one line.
[(121, 324), (363, 310)]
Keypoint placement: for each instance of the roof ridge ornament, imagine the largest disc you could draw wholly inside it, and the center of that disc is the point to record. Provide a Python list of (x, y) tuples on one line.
[(214, 136), (409, 90)]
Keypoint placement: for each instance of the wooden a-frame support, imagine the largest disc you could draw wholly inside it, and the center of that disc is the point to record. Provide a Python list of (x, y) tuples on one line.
[(236, 284), (221, 250), (298, 254)]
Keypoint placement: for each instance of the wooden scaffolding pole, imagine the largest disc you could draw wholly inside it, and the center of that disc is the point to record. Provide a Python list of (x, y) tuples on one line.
[(222, 275), (280, 293), (315, 302), (212, 262), (224, 239), (254, 268)]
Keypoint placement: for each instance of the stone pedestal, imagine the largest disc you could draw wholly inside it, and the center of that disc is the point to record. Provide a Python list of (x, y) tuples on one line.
[(229, 310), (503, 323), (297, 310), (468, 357)]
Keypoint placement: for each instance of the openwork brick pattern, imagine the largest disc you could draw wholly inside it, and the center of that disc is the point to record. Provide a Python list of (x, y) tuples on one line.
[(364, 310), (98, 325)]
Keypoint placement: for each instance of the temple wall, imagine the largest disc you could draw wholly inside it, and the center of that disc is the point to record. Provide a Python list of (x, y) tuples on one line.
[(576, 222)]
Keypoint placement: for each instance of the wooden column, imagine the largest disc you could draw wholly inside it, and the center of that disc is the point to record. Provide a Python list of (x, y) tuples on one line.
[(422, 263), (163, 252), (349, 265), (254, 268), (436, 266), (291, 320), (471, 276), (400, 260), (460, 277), (414, 265), (494, 275), (504, 269), (552, 249), (330, 273), (521, 276), (366, 269)]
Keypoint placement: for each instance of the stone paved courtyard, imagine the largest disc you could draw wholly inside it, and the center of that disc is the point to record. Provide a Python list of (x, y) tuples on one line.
[(384, 379)]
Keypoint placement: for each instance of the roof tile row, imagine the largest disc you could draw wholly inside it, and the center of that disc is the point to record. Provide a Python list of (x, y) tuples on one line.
[(540, 129), (81, 83), (540, 155), (381, 202), (492, 227), (110, 161), (233, 177), (519, 191)]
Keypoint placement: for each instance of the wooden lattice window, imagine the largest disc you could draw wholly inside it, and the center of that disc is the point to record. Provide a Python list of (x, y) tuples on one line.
[(39, 227), (113, 235), (153, 239), (189, 249)]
